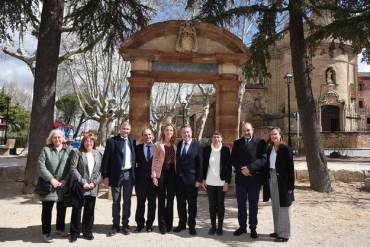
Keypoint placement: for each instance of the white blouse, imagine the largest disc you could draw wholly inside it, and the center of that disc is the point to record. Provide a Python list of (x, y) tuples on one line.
[(213, 173), (90, 162), (273, 158)]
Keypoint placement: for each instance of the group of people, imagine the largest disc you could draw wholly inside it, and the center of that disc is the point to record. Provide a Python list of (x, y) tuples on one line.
[(162, 171)]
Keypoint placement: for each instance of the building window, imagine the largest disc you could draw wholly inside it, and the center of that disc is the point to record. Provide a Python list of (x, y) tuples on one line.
[(361, 87), (368, 120), (361, 104)]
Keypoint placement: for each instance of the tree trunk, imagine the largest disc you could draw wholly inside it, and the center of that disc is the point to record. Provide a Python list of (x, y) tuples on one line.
[(316, 161), (44, 87), (103, 130), (202, 121), (82, 120), (240, 104)]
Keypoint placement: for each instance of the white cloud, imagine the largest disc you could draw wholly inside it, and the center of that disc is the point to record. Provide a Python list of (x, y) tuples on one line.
[(15, 71)]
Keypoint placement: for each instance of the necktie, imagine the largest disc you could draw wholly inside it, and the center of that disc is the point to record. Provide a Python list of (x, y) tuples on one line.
[(184, 150), (124, 152), (148, 154)]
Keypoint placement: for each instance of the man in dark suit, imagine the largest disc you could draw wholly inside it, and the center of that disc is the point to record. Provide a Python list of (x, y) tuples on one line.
[(144, 187), (189, 160), (248, 157), (118, 170)]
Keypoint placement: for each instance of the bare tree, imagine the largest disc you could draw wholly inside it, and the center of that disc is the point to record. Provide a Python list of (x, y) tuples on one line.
[(206, 91), (100, 81), (164, 99), (18, 95)]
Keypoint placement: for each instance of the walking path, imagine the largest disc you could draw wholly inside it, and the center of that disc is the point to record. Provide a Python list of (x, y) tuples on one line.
[(339, 219)]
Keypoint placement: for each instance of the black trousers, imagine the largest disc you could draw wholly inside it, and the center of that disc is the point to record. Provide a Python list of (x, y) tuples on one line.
[(47, 207), (186, 196), (145, 190), (87, 218), (216, 199), (166, 195)]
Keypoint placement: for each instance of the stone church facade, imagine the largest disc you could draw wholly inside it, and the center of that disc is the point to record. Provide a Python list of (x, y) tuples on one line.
[(335, 89)]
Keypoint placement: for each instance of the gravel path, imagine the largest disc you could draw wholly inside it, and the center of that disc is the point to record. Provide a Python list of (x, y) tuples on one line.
[(341, 218)]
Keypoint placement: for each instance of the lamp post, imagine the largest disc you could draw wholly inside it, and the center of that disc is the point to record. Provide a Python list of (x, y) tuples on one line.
[(288, 77), (7, 98)]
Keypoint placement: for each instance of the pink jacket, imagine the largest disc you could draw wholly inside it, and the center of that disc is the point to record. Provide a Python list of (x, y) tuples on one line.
[(158, 159)]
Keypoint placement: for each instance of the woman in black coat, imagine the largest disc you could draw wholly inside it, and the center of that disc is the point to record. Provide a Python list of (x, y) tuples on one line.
[(216, 180), (280, 170)]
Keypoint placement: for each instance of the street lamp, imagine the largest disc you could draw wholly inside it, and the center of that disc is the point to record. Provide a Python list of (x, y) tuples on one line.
[(7, 98), (288, 77)]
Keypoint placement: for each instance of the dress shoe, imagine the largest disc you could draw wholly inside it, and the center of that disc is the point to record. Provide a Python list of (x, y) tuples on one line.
[(138, 229), (88, 236), (219, 232), (61, 233), (125, 231), (254, 234), (47, 238), (114, 230), (149, 228), (73, 238), (280, 239), (192, 231), (162, 230), (239, 232), (169, 228), (212, 231), (179, 228), (273, 235)]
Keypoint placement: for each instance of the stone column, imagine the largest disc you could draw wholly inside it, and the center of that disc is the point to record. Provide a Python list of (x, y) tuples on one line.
[(227, 92), (140, 89)]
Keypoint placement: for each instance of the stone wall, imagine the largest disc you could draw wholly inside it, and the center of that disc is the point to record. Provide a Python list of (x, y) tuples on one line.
[(360, 140), (330, 140)]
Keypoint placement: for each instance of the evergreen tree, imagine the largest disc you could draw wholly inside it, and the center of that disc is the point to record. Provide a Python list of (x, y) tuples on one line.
[(106, 21), (349, 22)]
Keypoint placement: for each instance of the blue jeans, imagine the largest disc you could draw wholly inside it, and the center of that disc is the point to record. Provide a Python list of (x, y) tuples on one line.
[(250, 193), (125, 186)]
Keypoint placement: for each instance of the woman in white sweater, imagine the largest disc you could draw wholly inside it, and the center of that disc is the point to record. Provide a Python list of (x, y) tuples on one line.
[(216, 180)]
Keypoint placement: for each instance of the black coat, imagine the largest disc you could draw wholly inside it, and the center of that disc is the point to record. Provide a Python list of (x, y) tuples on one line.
[(143, 167), (284, 166), (225, 165), (113, 159), (189, 168), (252, 155)]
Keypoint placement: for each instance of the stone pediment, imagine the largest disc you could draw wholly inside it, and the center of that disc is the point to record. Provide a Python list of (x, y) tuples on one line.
[(186, 41), (331, 98)]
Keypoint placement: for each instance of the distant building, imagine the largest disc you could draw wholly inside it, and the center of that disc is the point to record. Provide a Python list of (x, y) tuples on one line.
[(364, 98)]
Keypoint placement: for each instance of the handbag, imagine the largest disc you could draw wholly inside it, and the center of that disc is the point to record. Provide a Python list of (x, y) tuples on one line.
[(44, 187)]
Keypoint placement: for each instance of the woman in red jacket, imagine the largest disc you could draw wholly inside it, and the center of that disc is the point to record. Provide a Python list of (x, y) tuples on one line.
[(164, 176)]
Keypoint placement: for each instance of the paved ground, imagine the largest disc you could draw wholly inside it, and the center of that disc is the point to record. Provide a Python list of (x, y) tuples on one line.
[(341, 218)]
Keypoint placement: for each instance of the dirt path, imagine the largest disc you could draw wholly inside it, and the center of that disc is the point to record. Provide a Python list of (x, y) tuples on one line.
[(341, 218)]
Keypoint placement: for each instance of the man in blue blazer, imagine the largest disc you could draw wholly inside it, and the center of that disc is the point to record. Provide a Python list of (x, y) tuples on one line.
[(189, 162), (118, 170), (144, 187), (248, 158)]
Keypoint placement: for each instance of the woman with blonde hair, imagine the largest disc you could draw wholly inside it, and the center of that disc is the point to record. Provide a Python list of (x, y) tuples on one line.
[(280, 171), (85, 172), (53, 168), (164, 175)]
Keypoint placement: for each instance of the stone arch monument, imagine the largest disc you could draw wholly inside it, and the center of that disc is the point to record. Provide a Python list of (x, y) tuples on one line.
[(185, 51)]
